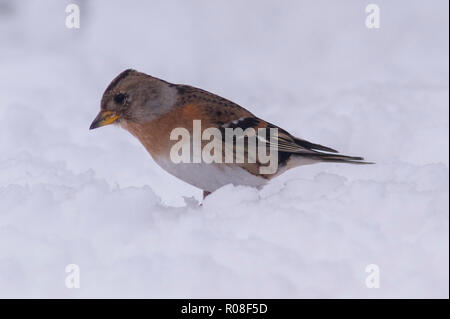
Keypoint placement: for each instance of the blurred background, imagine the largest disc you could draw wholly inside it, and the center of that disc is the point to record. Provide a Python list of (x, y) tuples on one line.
[(311, 67), (291, 62)]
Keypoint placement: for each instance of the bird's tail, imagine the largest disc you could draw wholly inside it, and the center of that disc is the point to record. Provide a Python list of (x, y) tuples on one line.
[(335, 158)]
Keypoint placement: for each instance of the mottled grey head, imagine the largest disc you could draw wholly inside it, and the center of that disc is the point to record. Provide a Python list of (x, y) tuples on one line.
[(136, 97)]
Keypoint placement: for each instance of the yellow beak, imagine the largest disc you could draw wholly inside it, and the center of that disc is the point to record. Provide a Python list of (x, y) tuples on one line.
[(104, 118)]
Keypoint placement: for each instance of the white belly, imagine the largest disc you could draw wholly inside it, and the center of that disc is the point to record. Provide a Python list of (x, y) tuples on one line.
[(210, 177)]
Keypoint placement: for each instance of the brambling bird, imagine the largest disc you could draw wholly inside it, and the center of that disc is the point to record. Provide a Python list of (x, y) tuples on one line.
[(151, 108)]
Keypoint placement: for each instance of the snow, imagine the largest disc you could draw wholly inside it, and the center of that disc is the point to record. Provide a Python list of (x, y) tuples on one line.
[(95, 199)]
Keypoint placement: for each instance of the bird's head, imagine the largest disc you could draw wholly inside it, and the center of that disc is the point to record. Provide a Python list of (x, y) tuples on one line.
[(135, 97)]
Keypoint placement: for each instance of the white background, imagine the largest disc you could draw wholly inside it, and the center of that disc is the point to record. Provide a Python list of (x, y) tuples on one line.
[(96, 198)]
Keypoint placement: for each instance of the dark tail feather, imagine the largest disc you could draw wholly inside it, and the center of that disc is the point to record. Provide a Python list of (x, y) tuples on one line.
[(325, 157), (336, 158), (312, 146)]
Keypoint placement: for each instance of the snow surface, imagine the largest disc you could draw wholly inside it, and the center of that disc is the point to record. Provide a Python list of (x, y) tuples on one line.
[(96, 199)]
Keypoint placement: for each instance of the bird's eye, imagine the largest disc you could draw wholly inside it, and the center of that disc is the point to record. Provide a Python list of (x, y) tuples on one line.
[(119, 98)]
